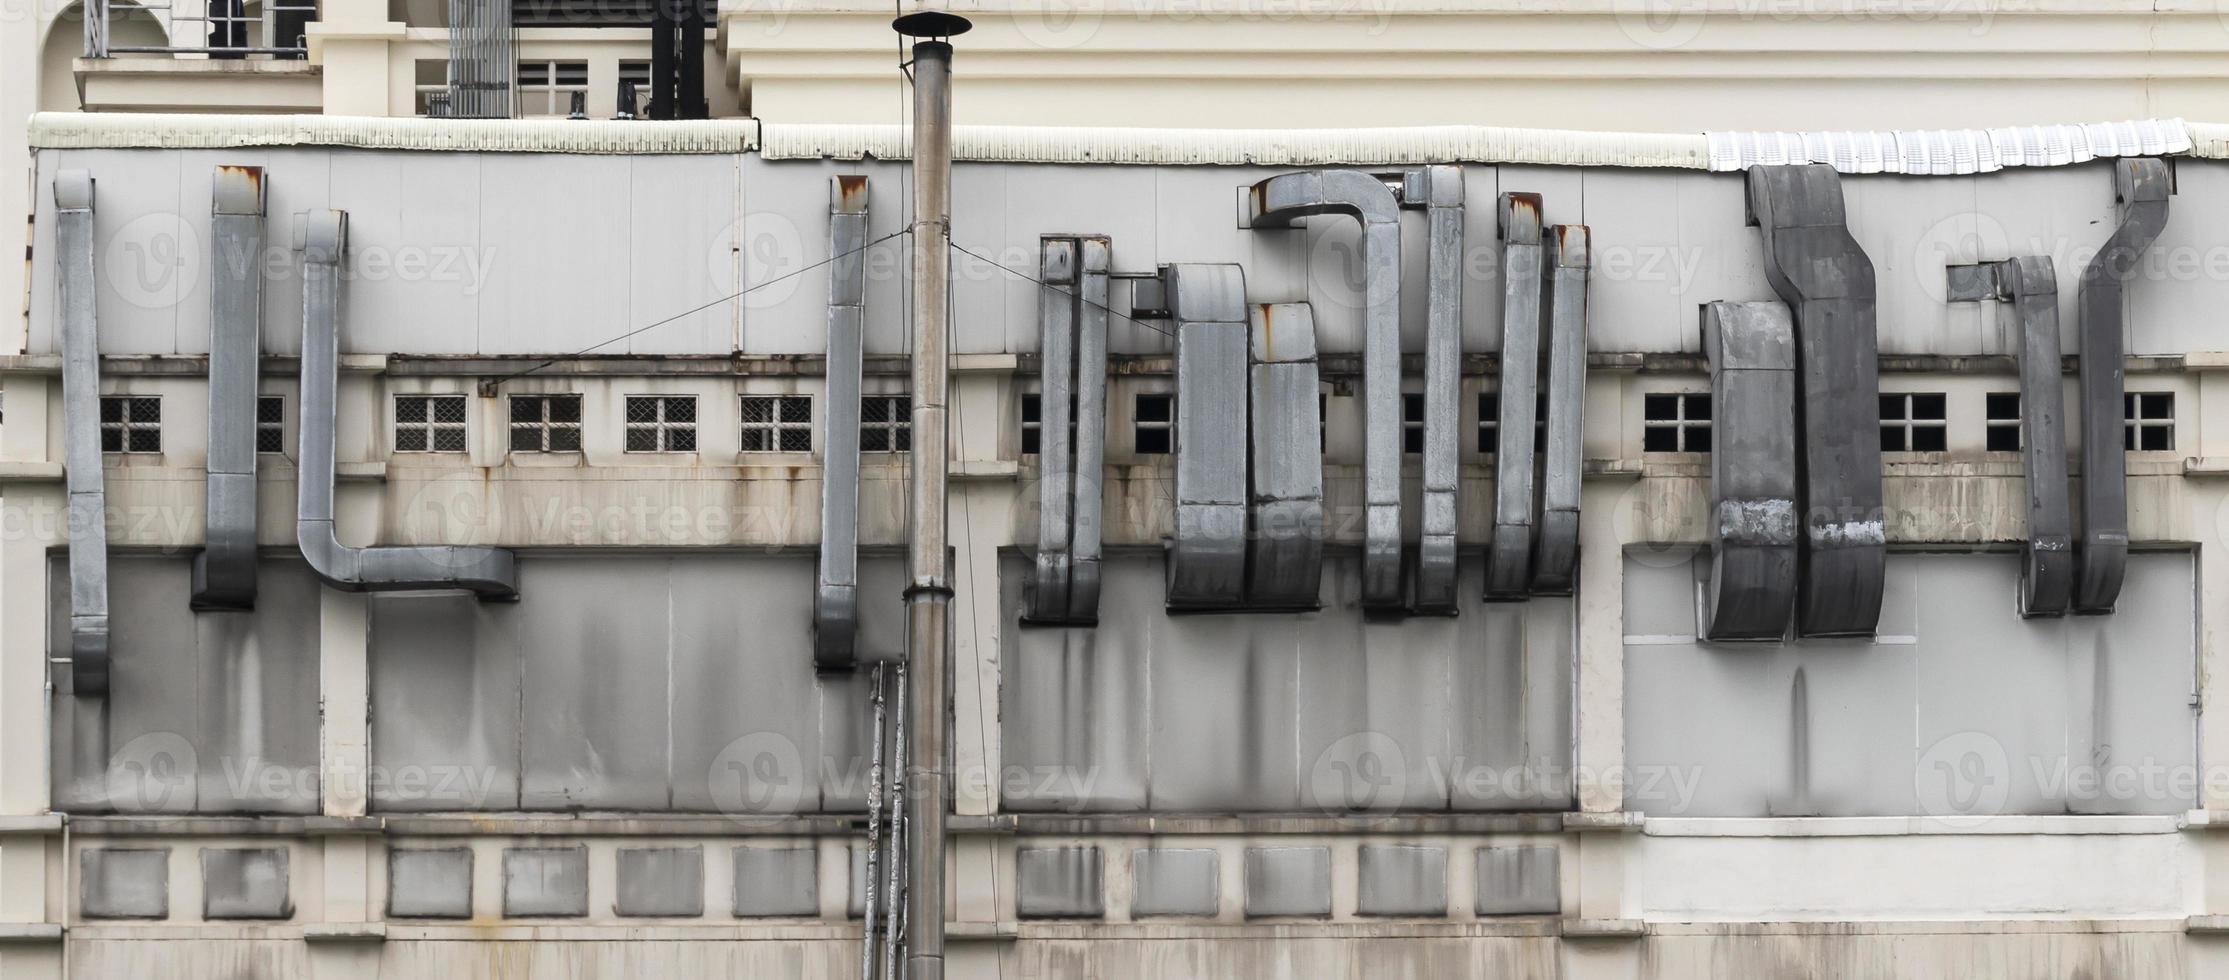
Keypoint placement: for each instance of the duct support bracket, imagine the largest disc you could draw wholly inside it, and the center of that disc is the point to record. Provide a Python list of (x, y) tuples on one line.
[(2026, 290), (1563, 366), (1284, 567), (1207, 555), (224, 573), (1819, 270), (81, 436), (2140, 189), (1509, 554), (1751, 347), (836, 585)]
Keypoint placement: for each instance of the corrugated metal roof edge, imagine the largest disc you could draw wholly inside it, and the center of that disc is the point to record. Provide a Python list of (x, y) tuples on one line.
[(843, 141)]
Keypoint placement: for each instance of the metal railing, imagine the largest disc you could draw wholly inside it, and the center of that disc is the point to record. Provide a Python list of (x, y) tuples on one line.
[(278, 29)]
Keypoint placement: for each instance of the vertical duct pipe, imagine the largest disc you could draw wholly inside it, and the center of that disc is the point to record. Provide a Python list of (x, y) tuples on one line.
[(480, 60), (1555, 555), (1827, 282), (1090, 382), (81, 434), (489, 573), (1509, 555), (928, 559), (2140, 188), (1439, 191), (836, 593), (224, 571), (1056, 325), (1284, 566), (2026, 290), (1207, 554), (1281, 202), (1752, 351)]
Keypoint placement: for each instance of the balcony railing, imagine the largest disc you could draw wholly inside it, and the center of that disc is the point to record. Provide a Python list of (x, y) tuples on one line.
[(277, 30)]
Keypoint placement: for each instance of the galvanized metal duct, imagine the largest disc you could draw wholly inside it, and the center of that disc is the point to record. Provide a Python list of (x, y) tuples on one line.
[(1283, 200), (1439, 191), (1072, 324), (1509, 555), (1752, 352), (2140, 186), (1827, 282), (1285, 543), (1555, 552), (81, 433), (489, 573), (1207, 555), (2027, 292), (224, 571), (836, 591)]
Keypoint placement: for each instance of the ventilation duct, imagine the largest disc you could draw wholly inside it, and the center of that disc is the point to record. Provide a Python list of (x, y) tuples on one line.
[(836, 592), (1282, 201), (1752, 353), (1827, 282), (481, 61), (489, 573), (2140, 187), (81, 438), (2027, 293), (1439, 191), (224, 572), (1207, 556), (1555, 553), (1072, 425), (1285, 542), (1509, 556)]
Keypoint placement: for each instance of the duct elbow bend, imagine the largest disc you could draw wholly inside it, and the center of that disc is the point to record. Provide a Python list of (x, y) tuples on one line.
[(490, 574)]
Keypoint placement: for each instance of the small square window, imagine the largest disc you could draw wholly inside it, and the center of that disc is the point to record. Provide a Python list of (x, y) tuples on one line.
[(2002, 418), (2148, 421), (1153, 418), (1489, 422), (131, 424), (545, 423), (886, 424), (270, 424), (1033, 421), (661, 424), (782, 424), (1913, 422), (1412, 423), (1676, 422), (429, 423)]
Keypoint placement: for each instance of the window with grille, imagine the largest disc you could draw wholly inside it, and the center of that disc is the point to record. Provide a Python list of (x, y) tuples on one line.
[(885, 424), (661, 423), (1033, 424), (131, 424), (1675, 422), (784, 424), (1152, 423), (545, 423), (546, 87), (270, 424), (429, 423), (1489, 421), (1412, 423), (1913, 422), (2148, 420), (2001, 411)]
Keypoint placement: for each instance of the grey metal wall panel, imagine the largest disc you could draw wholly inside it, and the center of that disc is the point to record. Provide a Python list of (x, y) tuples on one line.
[(1378, 707), (545, 882), (1665, 240), (1828, 283), (1509, 554), (746, 711), (1207, 555), (1563, 368), (429, 883), (836, 591), (1175, 881), (224, 572), (259, 693), (776, 881), (2140, 188), (1206, 755), (1524, 880), (76, 299), (124, 883), (430, 201), (2026, 294), (1510, 745), (560, 227), (444, 674), (603, 626), (1286, 520), (1060, 883), (1401, 880), (1753, 523), (2122, 676), (1288, 881), (682, 250), (245, 883), (1073, 704), (665, 882)]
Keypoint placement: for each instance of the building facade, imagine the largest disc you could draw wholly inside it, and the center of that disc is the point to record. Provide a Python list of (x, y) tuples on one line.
[(1422, 550)]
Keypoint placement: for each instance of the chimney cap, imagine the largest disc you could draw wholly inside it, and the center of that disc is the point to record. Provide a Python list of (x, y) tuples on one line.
[(931, 24)]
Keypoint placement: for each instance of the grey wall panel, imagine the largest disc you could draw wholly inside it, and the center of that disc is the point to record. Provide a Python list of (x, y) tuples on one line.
[(557, 234), (545, 882), (990, 311), (778, 229), (124, 883), (1378, 704), (2065, 214), (1665, 242), (1827, 727), (1522, 880), (1073, 703), (679, 212), (2166, 313), (431, 202), (663, 882), (444, 702), (150, 248), (603, 628), (1510, 731), (245, 883), (1060, 883), (295, 180), (1288, 881), (1401, 880), (1224, 713), (1174, 881), (429, 883), (243, 735), (1910, 228), (746, 721), (776, 881)]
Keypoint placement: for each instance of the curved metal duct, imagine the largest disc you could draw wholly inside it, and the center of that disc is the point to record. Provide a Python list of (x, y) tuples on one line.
[(224, 571), (1072, 424), (2027, 291), (1509, 555), (1439, 191), (1827, 282), (836, 590), (1555, 552), (1207, 554), (2140, 187), (1283, 200), (489, 573), (81, 433), (1284, 565), (1752, 353)]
